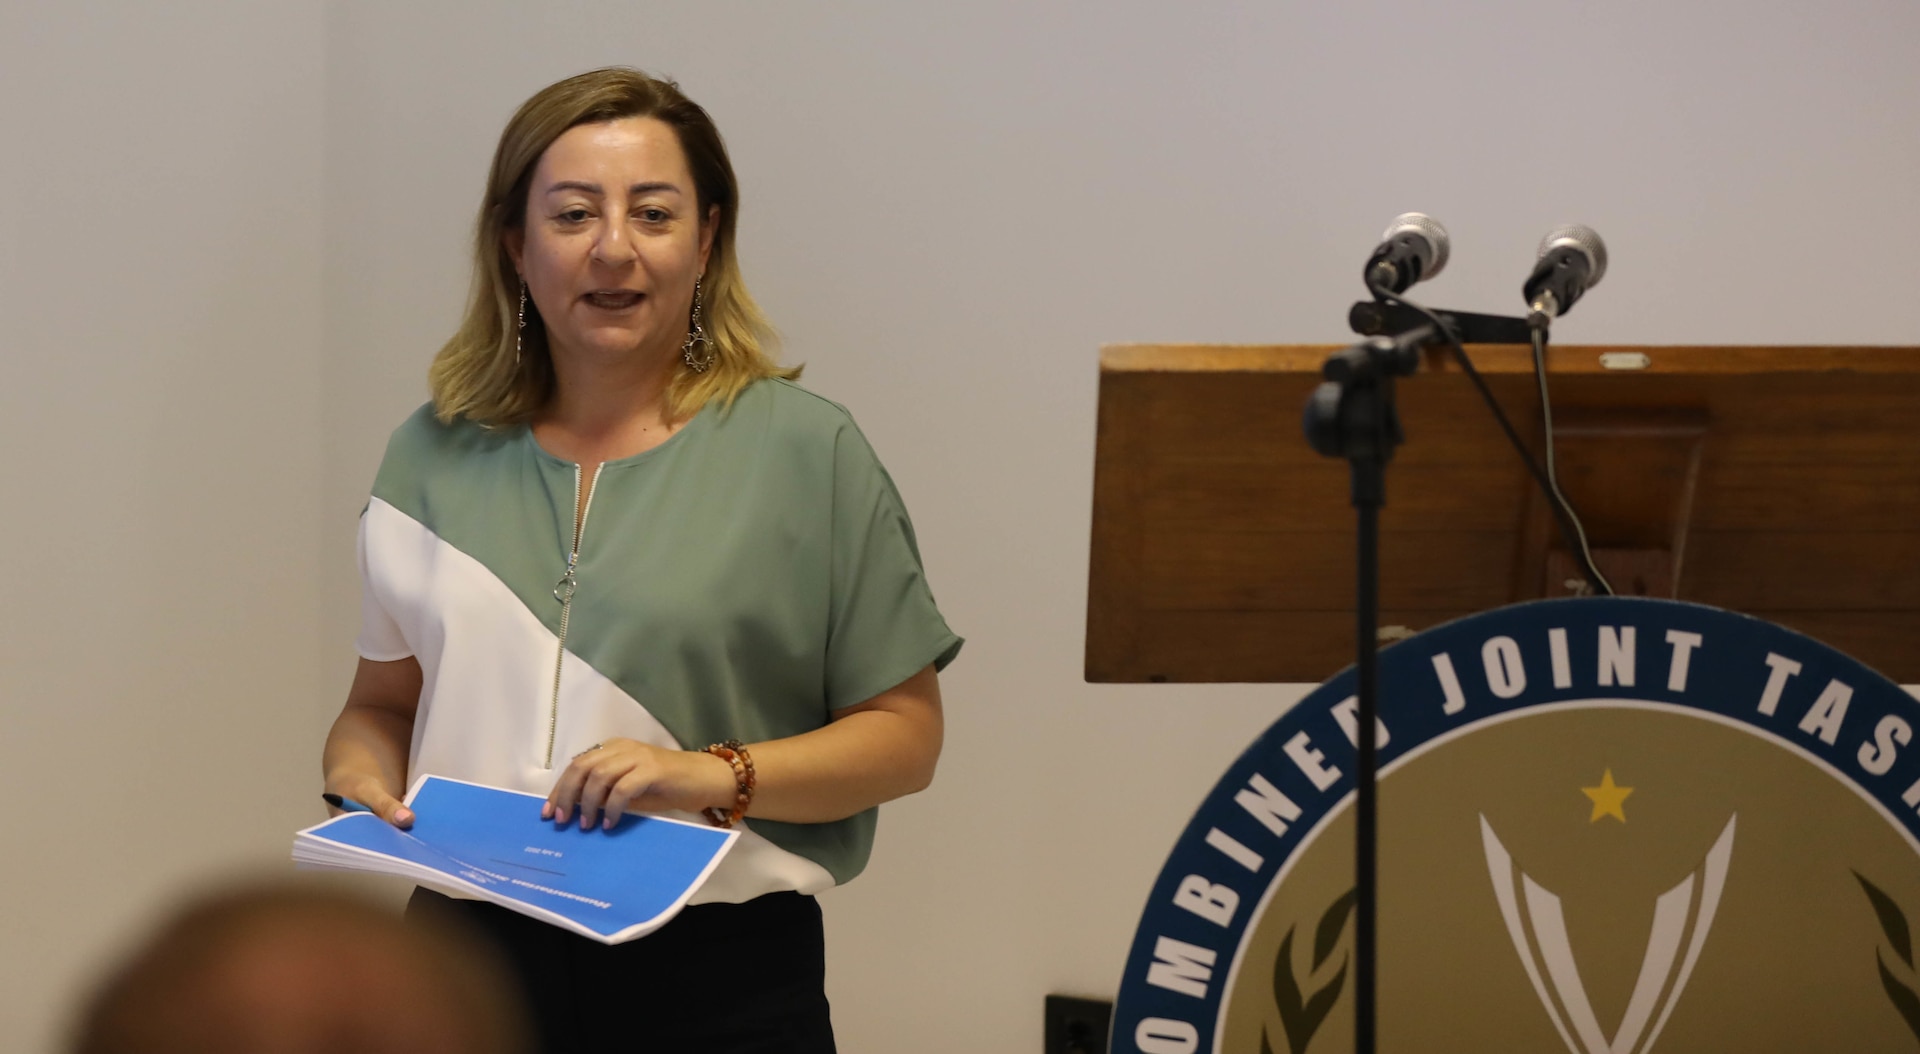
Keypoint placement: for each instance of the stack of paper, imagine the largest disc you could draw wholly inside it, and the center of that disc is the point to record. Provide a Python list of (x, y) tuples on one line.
[(488, 843)]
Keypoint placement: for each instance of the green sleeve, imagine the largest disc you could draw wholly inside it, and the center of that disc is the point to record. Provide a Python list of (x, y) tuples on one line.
[(882, 625)]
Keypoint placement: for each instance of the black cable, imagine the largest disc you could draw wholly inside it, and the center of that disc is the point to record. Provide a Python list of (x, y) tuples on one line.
[(1582, 550), (1562, 513)]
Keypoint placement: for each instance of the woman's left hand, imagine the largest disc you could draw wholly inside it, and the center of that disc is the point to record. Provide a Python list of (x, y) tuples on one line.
[(621, 774)]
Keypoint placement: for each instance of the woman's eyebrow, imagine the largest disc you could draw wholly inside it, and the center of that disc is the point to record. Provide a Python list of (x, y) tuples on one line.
[(596, 189)]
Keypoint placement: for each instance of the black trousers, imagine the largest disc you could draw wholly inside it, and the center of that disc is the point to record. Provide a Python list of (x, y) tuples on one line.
[(718, 979)]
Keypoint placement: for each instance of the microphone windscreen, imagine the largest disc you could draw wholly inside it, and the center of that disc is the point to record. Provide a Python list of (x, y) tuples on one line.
[(1427, 227), (1581, 237)]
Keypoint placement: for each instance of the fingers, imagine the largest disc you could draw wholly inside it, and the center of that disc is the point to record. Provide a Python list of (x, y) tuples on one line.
[(571, 789), (370, 793), (624, 791), (392, 810), (565, 792), (593, 792), (600, 783)]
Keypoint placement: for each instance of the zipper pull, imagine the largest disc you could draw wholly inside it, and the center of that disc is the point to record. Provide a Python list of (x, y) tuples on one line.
[(563, 590)]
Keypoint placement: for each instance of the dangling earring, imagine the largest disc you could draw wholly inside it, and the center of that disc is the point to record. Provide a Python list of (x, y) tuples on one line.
[(520, 327), (696, 338)]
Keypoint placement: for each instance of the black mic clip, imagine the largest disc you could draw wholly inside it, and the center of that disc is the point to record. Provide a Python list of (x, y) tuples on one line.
[(1352, 414), (1380, 357)]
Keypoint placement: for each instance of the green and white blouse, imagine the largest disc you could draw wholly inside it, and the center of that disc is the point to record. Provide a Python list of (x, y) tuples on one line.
[(743, 580)]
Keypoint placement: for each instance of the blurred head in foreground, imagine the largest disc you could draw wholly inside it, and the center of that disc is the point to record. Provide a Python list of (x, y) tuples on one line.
[(279, 969)]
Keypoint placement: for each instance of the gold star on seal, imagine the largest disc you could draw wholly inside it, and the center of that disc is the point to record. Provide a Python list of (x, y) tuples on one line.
[(1607, 798)]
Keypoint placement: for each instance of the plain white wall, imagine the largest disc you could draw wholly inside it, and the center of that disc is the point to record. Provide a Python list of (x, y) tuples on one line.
[(236, 235), (160, 665)]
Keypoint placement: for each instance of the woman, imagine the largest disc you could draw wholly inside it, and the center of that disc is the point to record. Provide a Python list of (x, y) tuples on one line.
[(620, 534)]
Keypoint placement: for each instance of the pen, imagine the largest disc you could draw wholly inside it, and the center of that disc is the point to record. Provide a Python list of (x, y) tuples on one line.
[(339, 802)]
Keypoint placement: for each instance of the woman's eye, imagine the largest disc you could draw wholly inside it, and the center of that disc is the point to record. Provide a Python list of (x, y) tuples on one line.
[(654, 215), (575, 216)]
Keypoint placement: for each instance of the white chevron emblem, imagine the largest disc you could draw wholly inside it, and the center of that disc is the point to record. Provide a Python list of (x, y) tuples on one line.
[(1681, 918)]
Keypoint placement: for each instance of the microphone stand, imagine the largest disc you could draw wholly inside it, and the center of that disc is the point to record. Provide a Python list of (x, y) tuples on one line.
[(1353, 415)]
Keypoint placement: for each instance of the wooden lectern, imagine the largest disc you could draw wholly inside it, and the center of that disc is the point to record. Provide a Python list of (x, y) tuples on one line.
[(1783, 482)]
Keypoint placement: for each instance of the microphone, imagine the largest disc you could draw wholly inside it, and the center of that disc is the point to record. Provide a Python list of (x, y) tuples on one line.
[(1413, 249), (1572, 260)]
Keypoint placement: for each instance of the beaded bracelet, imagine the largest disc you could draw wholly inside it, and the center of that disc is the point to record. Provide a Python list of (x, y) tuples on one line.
[(734, 753)]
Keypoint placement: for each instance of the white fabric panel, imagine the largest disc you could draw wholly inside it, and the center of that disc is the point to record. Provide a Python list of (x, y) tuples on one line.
[(487, 668), (380, 638)]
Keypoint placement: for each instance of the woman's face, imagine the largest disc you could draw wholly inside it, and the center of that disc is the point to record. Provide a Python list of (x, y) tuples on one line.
[(613, 240)]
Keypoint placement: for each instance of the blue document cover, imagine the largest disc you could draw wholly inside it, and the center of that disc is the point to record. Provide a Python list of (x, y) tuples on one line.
[(477, 841)]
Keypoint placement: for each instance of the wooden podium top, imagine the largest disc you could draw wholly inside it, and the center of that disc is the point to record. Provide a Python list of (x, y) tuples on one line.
[(1223, 546)]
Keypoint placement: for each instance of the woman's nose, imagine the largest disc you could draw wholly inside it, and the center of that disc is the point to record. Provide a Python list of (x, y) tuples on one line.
[(613, 245)]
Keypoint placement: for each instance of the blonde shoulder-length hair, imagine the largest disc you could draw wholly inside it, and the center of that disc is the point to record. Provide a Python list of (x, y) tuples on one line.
[(496, 373)]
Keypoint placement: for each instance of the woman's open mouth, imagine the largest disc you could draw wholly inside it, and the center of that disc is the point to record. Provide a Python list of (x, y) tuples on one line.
[(614, 299)]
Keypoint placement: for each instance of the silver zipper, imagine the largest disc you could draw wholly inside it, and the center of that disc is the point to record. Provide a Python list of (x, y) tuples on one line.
[(563, 592)]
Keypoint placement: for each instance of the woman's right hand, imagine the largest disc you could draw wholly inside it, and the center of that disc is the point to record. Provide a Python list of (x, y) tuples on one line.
[(366, 754), (372, 793)]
